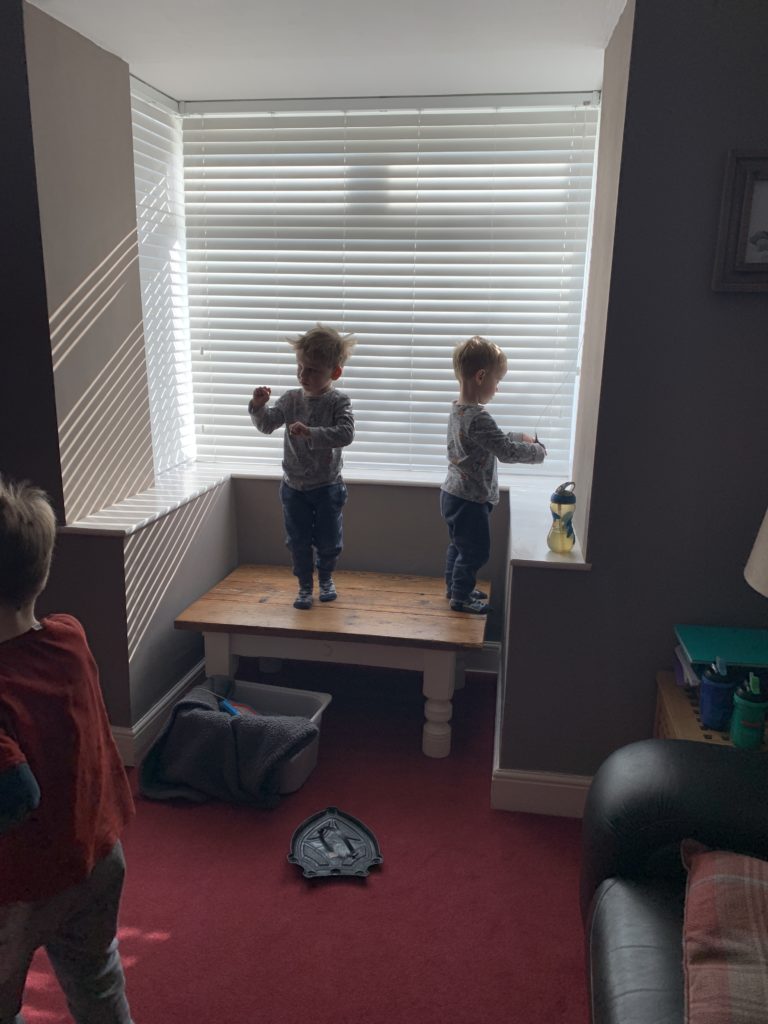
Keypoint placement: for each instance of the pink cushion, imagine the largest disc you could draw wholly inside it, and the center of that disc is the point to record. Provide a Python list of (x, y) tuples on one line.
[(725, 937)]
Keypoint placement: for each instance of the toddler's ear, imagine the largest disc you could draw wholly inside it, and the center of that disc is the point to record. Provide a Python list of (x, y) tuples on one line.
[(336, 373)]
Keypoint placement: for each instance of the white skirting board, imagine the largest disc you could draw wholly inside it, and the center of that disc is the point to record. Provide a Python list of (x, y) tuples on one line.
[(556, 793), (133, 742)]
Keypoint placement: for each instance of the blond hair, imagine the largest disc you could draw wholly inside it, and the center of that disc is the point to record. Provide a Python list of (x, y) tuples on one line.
[(475, 354), (324, 345), (27, 536)]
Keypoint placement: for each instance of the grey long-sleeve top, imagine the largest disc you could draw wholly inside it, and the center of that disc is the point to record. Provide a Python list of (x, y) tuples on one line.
[(314, 461), (475, 443)]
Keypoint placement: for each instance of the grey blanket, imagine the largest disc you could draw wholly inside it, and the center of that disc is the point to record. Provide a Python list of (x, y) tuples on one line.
[(204, 753)]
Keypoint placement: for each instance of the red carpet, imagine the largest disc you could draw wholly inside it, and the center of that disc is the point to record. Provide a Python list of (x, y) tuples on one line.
[(472, 918)]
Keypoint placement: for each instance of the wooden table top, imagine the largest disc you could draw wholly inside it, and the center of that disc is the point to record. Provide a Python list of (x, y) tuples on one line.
[(371, 607)]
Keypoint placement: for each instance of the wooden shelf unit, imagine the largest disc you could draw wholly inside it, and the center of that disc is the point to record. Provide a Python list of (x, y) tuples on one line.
[(677, 714)]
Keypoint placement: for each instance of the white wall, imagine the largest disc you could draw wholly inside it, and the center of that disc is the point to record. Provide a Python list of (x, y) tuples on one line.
[(84, 164), (612, 110), (303, 48)]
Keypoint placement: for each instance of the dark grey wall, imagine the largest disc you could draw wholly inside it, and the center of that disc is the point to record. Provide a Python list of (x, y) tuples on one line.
[(127, 592), (680, 483), (168, 565), (87, 580), (29, 443)]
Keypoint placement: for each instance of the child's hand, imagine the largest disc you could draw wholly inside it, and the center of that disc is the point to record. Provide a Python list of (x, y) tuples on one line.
[(260, 397), (298, 429), (534, 440)]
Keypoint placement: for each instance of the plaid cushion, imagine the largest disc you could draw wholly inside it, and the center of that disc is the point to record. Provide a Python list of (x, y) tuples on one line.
[(725, 937)]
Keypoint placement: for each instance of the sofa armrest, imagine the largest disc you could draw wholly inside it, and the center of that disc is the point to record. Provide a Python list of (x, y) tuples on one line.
[(649, 795)]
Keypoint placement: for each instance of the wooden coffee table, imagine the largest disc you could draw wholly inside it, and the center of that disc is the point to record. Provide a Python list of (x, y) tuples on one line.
[(379, 619)]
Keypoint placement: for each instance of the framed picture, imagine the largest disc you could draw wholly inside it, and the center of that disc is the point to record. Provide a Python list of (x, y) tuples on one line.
[(741, 260)]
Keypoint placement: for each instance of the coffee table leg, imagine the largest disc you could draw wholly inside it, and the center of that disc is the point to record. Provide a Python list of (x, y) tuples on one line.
[(439, 678), (218, 657)]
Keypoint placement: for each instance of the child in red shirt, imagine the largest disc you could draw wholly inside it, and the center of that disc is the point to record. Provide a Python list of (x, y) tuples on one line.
[(64, 795)]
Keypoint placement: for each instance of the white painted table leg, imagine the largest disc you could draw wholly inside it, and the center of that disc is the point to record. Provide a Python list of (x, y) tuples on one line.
[(218, 655), (439, 679)]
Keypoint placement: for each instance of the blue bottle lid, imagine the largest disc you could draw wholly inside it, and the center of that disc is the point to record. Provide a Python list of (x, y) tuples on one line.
[(564, 496)]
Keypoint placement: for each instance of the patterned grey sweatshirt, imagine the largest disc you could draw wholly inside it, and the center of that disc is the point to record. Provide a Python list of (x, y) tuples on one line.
[(314, 461), (475, 443)]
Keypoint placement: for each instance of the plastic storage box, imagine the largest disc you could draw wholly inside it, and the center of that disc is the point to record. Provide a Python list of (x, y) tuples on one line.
[(280, 700)]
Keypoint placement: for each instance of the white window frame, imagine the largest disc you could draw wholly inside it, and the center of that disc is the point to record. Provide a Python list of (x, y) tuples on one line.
[(159, 176), (423, 406)]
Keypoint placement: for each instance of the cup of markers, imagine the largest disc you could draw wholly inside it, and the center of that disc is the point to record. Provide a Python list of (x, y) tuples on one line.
[(716, 696), (750, 705)]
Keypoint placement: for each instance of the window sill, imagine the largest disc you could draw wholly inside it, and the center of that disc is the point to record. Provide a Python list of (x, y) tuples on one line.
[(528, 499), (173, 489), (530, 523)]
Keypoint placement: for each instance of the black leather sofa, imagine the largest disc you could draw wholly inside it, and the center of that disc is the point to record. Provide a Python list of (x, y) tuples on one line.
[(644, 799)]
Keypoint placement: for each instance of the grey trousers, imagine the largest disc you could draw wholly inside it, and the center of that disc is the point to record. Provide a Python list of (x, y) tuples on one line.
[(78, 928)]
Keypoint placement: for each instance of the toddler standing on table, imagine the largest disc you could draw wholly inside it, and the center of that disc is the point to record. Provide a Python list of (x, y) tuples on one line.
[(471, 488), (318, 424), (64, 795)]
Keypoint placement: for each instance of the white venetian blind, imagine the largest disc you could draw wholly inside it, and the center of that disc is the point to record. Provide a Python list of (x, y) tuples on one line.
[(414, 228), (158, 168)]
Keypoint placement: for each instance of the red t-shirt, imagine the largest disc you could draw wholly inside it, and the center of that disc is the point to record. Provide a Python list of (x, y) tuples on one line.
[(52, 716)]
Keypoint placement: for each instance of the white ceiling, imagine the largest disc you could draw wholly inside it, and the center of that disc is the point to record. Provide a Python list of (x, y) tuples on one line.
[(247, 49)]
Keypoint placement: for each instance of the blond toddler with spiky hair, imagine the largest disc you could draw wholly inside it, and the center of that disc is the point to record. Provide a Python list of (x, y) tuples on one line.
[(318, 423)]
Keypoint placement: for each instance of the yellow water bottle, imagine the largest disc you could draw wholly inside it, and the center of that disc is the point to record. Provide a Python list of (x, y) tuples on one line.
[(562, 504)]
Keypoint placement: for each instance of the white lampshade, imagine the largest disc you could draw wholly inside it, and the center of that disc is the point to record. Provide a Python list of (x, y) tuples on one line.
[(756, 569)]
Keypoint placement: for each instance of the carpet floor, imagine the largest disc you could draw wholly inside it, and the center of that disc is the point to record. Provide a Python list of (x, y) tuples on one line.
[(472, 918)]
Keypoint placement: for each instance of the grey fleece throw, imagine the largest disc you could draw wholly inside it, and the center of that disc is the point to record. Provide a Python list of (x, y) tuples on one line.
[(204, 753)]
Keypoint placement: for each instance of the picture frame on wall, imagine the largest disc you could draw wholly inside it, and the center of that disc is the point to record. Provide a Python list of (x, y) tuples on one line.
[(741, 258)]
